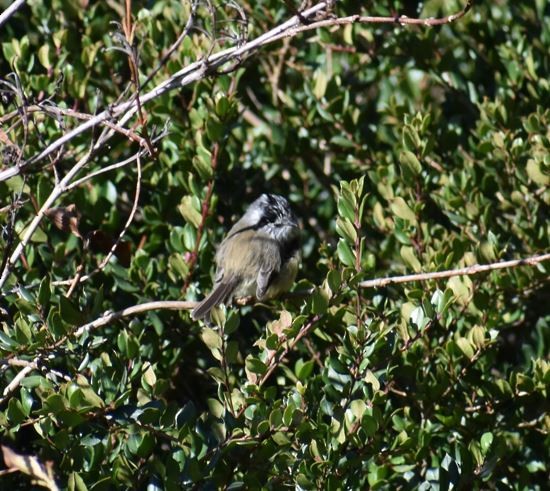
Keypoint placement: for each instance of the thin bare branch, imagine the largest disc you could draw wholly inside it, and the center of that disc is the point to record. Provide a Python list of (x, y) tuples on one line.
[(142, 152), (166, 56), (130, 217), (14, 7), (468, 271), (60, 111), (109, 317)]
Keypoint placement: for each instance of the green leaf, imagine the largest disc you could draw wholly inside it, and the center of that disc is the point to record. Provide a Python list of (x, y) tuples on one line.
[(400, 208), (466, 347), (321, 81), (15, 412), (55, 324), (76, 483), (346, 209), (342, 141), (345, 255), (358, 408), (44, 292), (534, 171), (319, 301), (44, 56), (149, 376), (409, 160), (188, 209), (216, 408), (371, 379), (55, 403), (211, 338), (461, 287), (303, 369), (69, 313), (255, 365), (408, 255), (44, 190), (486, 441), (280, 438), (345, 229), (411, 140)]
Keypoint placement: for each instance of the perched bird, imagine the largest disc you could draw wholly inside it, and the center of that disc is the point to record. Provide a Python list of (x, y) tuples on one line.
[(259, 256)]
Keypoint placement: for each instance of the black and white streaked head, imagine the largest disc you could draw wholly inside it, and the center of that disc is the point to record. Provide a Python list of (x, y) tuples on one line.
[(272, 214)]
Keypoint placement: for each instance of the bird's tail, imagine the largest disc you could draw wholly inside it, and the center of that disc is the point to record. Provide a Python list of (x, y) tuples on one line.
[(218, 295)]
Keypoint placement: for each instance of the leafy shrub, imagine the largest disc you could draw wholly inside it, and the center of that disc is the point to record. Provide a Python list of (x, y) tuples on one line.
[(404, 149)]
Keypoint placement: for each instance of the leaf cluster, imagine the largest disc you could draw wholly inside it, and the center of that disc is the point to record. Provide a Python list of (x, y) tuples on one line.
[(402, 149)]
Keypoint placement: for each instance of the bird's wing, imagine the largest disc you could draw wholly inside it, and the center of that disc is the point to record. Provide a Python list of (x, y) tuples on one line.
[(269, 264)]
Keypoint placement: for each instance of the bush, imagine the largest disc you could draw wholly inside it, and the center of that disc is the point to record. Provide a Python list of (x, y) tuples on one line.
[(403, 148)]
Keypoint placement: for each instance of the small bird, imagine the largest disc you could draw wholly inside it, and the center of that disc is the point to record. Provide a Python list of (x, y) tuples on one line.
[(259, 256)]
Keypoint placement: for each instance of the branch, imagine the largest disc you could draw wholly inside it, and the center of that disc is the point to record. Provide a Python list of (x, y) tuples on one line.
[(140, 153), (468, 271), (14, 7), (205, 210), (202, 68), (109, 317), (130, 217), (52, 110), (166, 56), (12, 386), (78, 278), (27, 367), (275, 360)]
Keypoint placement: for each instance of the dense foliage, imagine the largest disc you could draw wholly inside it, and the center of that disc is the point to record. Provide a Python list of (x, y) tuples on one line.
[(402, 148)]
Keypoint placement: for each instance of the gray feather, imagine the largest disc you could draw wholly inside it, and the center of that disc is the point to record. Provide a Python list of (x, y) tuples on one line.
[(217, 296)]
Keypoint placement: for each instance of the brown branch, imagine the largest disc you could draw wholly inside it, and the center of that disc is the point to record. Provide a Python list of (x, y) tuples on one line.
[(368, 19), (109, 317), (205, 210), (128, 222), (276, 359), (71, 113), (468, 271)]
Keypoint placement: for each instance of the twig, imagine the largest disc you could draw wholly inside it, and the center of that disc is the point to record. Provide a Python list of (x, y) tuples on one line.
[(67, 112), (166, 56), (12, 386), (140, 153), (276, 359), (109, 317), (130, 218), (367, 19), (14, 7), (205, 210), (75, 281), (103, 170), (468, 271)]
